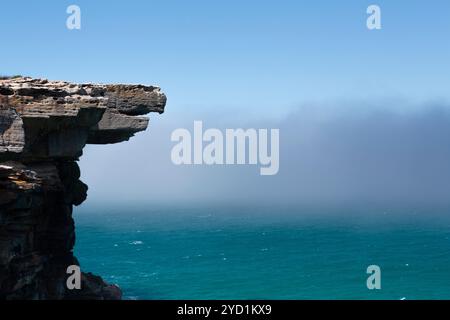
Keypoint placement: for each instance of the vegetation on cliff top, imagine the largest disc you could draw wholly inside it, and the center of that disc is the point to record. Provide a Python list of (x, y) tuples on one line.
[(10, 77)]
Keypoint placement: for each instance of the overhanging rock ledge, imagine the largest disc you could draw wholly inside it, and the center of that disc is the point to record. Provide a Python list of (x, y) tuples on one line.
[(44, 126)]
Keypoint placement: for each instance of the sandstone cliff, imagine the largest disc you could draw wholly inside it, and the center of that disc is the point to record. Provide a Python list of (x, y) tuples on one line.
[(44, 126)]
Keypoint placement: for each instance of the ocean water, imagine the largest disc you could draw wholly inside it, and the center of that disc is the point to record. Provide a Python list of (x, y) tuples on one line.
[(242, 253)]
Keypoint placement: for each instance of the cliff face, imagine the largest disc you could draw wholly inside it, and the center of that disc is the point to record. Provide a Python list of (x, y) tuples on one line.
[(44, 126)]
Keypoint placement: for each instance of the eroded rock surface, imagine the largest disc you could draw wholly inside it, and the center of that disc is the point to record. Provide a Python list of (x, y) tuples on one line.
[(44, 126)]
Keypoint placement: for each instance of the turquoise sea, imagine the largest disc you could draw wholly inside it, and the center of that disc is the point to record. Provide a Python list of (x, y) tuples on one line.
[(269, 253)]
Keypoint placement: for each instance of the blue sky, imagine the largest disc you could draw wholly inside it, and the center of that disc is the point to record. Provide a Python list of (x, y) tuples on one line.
[(252, 55), (310, 68)]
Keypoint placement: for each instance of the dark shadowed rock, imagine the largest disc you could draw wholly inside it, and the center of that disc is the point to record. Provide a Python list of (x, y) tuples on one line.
[(44, 126)]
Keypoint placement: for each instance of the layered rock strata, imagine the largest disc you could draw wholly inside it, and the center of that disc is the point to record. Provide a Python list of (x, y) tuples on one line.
[(44, 126)]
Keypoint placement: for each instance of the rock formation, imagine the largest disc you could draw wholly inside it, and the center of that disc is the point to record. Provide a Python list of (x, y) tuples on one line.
[(44, 126)]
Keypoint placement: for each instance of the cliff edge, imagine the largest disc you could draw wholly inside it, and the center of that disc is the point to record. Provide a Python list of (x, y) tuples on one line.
[(44, 126)]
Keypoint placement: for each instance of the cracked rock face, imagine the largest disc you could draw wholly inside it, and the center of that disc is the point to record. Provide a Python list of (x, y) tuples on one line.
[(44, 126)]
